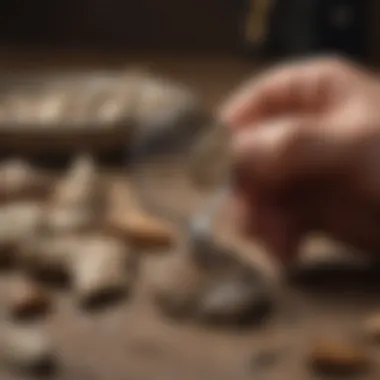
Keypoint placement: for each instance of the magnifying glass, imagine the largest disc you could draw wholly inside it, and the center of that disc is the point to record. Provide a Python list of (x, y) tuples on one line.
[(183, 174)]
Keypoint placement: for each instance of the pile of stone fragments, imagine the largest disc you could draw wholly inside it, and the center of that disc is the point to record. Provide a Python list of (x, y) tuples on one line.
[(84, 225)]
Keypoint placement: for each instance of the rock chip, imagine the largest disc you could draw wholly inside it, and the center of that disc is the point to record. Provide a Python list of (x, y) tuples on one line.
[(102, 271), (371, 328), (18, 221), (237, 300), (226, 293), (177, 285), (49, 257), (128, 221), (78, 201), (28, 300), (19, 180), (144, 231), (339, 357), (27, 349)]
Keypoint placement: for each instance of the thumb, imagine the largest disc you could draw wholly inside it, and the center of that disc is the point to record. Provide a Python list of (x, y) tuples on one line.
[(282, 151), (277, 225), (272, 160), (280, 230)]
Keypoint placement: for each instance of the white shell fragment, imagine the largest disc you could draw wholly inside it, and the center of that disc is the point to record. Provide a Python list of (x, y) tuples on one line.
[(19, 221), (20, 180), (235, 300), (100, 270), (49, 255), (27, 300), (27, 348), (177, 284), (78, 201)]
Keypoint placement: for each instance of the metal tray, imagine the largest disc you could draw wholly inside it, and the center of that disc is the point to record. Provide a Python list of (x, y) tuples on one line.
[(63, 133)]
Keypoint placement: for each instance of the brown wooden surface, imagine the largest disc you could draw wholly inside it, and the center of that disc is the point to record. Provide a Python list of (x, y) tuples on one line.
[(132, 341)]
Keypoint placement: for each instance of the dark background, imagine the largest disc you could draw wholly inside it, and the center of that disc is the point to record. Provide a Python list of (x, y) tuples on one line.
[(297, 27), (210, 25)]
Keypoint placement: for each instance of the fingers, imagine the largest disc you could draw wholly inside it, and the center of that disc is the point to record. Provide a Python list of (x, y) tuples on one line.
[(275, 225), (282, 151), (273, 160), (294, 88), (279, 230), (283, 165), (291, 149), (272, 154)]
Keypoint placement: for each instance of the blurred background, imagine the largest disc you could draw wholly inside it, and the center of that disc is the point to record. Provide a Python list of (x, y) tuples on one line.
[(213, 37), (256, 27)]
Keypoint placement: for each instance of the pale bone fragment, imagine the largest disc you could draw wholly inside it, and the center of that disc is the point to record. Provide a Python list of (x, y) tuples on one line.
[(101, 270), (371, 328), (27, 348), (127, 220), (18, 221), (27, 299), (78, 201), (99, 267), (19, 108), (339, 357), (49, 255), (51, 107), (240, 299), (176, 284), (19, 180), (106, 105)]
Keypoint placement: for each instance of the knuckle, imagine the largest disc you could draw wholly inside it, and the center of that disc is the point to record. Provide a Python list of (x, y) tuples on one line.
[(334, 65), (298, 143)]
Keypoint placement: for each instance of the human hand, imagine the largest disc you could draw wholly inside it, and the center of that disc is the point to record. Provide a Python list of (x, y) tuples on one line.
[(307, 144)]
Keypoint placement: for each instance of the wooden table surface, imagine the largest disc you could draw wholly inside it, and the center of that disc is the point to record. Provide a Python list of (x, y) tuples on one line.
[(132, 341)]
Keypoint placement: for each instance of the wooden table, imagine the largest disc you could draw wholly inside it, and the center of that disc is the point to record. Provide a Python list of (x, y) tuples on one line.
[(132, 341)]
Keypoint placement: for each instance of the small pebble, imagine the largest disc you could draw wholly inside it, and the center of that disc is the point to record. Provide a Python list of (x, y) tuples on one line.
[(235, 301), (49, 257), (206, 253), (144, 231), (19, 180), (28, 300), (27, 349), (19, 220), (101, 271), (371, 328), (78, 200), (339, 357), (128, 221), (177, 284)]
